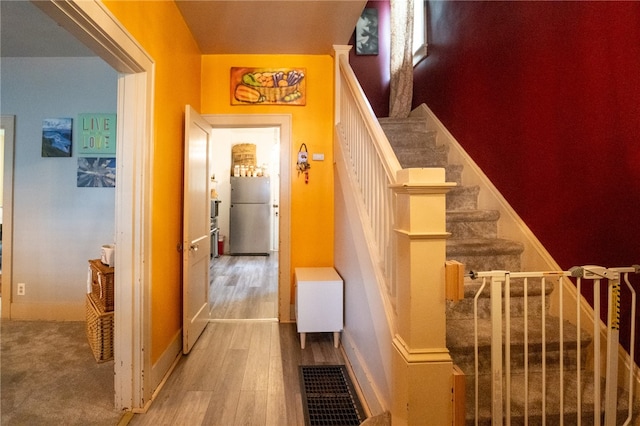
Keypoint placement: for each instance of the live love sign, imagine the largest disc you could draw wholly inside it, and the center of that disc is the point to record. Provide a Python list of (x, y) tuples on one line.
[(97, 134)]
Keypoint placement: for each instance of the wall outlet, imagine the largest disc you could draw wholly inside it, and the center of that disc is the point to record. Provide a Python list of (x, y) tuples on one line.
[(21, 289)]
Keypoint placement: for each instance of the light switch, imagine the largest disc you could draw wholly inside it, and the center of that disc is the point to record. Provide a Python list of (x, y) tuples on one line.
[(318, 157)]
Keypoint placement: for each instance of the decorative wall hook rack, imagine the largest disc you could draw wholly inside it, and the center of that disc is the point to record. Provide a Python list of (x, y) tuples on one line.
[(303, 165)]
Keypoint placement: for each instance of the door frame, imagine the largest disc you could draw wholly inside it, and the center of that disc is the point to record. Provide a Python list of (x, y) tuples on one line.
[(94, 25), (8, 123), (282, 121)]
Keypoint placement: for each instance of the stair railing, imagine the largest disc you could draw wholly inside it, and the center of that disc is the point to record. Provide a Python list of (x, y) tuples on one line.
[(499, 284), (391, 249), (373, 163)]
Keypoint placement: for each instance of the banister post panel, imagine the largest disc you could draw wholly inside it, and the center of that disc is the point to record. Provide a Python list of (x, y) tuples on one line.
[(422, 366), (339, 51)]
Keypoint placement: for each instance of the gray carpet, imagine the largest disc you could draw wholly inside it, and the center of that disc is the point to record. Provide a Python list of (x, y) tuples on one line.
[(49, 376)]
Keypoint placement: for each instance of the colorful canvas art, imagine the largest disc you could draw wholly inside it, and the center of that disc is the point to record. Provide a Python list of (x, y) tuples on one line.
[(260, 86), (96, 135), (96, 172), (56, 137)]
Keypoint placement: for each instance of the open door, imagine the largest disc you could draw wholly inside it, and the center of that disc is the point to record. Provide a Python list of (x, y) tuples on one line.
[(196, 244)]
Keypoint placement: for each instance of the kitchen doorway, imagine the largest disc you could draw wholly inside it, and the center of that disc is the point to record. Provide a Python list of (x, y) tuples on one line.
[(245, 287), (253, 287)]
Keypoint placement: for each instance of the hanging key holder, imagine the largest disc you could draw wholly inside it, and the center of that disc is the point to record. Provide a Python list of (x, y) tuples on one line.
[(303, 165)]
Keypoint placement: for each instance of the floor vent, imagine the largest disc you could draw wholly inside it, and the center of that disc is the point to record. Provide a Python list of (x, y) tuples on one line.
[(328, 396)]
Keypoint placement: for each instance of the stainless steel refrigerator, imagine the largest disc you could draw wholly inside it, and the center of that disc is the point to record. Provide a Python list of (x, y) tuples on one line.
[(249, 219)]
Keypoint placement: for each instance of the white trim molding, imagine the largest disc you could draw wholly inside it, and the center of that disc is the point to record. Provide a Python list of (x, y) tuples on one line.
[(94, 25)]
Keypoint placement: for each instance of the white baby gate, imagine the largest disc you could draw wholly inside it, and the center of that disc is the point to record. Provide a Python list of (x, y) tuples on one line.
[(500, 283)]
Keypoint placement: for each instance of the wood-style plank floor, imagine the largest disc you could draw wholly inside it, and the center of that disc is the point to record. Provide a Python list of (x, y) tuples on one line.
[(241, 371), (244, 287)]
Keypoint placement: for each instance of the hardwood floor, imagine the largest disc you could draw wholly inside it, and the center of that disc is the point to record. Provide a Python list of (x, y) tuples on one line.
[(244, 287), (241, 371)]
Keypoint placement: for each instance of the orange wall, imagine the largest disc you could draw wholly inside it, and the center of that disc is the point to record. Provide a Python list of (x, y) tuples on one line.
[(183, 76), (312, 203), (158, 26)]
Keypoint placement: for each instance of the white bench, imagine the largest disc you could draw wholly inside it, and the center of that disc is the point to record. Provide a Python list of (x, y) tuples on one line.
[(319, 302)]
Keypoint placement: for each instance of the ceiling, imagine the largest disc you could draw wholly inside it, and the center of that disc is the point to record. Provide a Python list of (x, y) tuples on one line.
[(309, 27), (25, 31)]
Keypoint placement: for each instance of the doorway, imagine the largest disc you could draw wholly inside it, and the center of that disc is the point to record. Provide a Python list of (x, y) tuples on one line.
[(245, 287), (7, 131), (271, 125)]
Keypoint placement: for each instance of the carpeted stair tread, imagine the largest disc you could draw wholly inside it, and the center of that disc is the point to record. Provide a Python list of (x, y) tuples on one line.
[(463, 352), (517, 288), (552, 400), (472, 215), (465, 308), (483, 247), (407, 139), (464, 224), (457, 339), (453, 173), (405, 123), (463, 198)]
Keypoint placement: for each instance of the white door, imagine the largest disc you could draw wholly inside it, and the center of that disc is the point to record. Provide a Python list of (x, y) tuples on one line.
[(196, 240)]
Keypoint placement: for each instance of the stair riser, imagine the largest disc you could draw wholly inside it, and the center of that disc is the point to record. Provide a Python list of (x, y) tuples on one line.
[(551, 420), (465, 308), (552, 417), (466, 199), (465, 360), (415, 140), (392, 125), (418, 158), (534, 288), (453, 173), (487, 262), (466, 230)]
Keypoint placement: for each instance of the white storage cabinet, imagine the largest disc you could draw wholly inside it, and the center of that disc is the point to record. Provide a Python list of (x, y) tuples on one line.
[(319, 302)]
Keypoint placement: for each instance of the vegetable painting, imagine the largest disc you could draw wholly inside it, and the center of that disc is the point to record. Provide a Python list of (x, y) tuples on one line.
[(268, 86)]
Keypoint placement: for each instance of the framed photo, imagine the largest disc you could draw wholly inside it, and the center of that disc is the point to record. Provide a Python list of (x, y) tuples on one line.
[(268, 86), (96, 172), (367, 32), (56, 137)]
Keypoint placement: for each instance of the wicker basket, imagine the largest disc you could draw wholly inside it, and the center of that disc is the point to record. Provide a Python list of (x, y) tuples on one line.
[(275, 94), (243, 154), (99, 331), (102, 284)]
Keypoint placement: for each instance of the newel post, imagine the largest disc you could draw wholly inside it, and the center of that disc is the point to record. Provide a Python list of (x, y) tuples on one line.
[(422, 366)]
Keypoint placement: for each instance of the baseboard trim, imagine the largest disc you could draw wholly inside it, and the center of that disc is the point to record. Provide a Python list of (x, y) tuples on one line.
[(162, 368), (64, 311), (370, 394)]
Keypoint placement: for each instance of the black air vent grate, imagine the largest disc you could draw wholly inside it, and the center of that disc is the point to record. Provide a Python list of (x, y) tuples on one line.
[(328, 396)]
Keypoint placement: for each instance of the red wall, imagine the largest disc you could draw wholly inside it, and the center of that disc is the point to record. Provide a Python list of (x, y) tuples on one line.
[(545, 96), (373, 71)]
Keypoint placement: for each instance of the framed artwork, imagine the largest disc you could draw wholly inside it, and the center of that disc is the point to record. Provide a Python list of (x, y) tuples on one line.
[(97, 134), (56, 137), (94, 172), (367, 32), (262, 86)]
